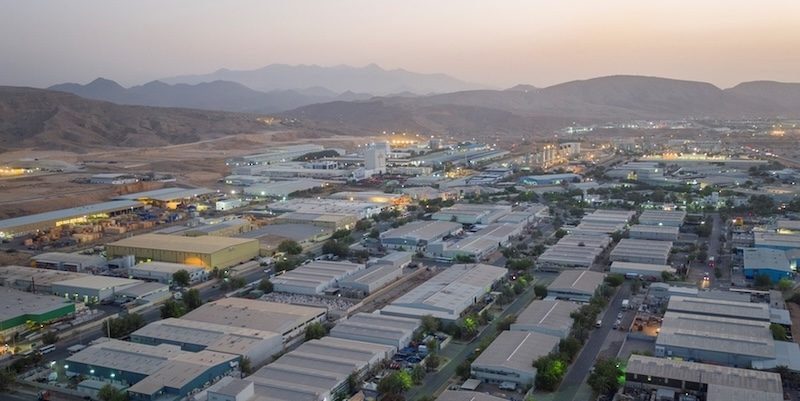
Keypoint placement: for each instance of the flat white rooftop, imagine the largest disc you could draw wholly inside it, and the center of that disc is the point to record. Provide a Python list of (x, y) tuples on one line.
[(255, 314), (716, 307), (577, 281), (516, 350)]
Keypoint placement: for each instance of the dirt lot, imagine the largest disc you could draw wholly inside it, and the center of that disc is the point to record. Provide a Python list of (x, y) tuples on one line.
[(198, 164)]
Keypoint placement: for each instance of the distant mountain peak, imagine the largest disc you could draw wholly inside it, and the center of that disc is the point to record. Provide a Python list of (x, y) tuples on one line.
[(523, 88), (104, 82)]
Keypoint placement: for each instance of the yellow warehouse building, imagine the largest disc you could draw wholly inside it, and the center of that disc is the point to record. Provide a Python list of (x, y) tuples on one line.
[(206, 251)]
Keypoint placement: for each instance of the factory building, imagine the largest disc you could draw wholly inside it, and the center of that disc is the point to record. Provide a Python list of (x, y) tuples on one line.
[(641, 251), (113, 179), (377, 329), (448, 294), (287, 320), (270, 236), (658, 233), (770, 262), (163, 272), (719, 340), (325, 220), (586, 240), (418, 234), (465, 213), (17, 308), (38, 281), (551, 317), (369, 280), (92, 289), (509, 358), (719, 308), (315, 371), (72, 262), (567, 256), (355, 209), (549, 179), (282, 189), (664, 218), (193, 336), (477, 245), (315, 277), (640, 269), (575, 285), (609, 216), (276, 155), (783, 242), (77, 215), (206, 251), (169, 198), (673, 377), (152, 372), (464, 395), (597, 228), (398, 260)]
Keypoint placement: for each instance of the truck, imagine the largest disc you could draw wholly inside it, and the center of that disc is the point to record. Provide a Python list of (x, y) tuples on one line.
[(626, 304)]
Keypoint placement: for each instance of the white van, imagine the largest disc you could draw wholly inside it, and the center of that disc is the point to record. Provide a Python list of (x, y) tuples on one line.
[(598, 324)]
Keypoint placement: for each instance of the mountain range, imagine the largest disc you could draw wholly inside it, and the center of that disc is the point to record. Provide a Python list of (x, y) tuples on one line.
[(215, 95), (370, 79), (44, 119)]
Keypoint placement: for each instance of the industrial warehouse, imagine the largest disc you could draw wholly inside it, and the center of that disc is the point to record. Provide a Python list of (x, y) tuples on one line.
[(163, 272), (575, 285), (76, 215), (315, 277), (448, 294), (418, 234), (477, 245), (18, 308), (568, 256), (287, 320), (370, 280), (659, 233), (509, 358), (547, 317), (152, 372), (472, 214), (205, 251), (194, 336), (377, 329), (315, 370), (662, 218), (641, 251), (640, 269)]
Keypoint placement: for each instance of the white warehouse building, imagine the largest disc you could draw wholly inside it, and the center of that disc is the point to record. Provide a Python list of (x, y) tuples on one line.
[(641, 251)]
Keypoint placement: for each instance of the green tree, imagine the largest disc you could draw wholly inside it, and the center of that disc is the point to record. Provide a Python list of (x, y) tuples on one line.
[(7, 379), (615, 280), (560, 233), (520, 264), (111, 393), (778, 332), (172, 308), (374, 233), (338, 248), (569, 348), (432, 362), (464, 259), (246, 366), (396, 383), (50, 337), (124, 325), (762, 281), (192, 299), (540, 290), (430, 324), (785, 284), (266, 286), (342, 234), (315, 331), (181, 278), (606, 377), (463, 370), (290, 247), (363, 225), (550, 371), (418, 374)]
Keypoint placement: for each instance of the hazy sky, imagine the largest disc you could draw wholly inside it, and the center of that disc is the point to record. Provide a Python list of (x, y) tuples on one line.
[(499, 43)]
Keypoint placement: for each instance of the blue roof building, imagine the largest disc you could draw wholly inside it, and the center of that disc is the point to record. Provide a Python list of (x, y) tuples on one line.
[(770, 262)]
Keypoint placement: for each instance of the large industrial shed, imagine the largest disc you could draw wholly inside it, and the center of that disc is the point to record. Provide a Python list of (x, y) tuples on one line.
[(17, 308), (370, 280), (447, 294), (666, 218), (377, 329), (641, 269), (163, 272), (418, 234), (770, 262), (69, 261), (575, 285), (718, 307), (315, 277), (561, 256), (76, 215), (587, 240), (206, 251), (34, 280), (284, 319), (719, 340), (317, 369), (547, 317), (510, 357), (659, 233), (190, 335), (641, 251), (609, 216), (92, 289), (153, 372)]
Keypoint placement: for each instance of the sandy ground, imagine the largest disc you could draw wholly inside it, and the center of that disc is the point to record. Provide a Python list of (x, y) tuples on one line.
[(198, 164)]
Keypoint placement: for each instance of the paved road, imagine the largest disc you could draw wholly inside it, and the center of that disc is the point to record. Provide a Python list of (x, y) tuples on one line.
[(457, 353), (579, 370)]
